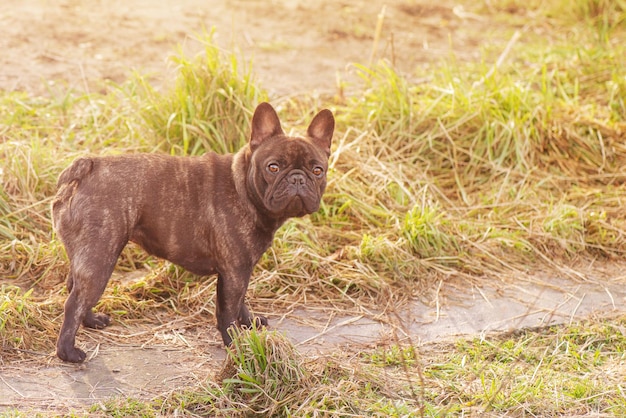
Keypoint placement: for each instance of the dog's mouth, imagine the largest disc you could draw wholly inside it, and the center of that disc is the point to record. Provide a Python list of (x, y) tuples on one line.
[(295, 195), (297, 203)]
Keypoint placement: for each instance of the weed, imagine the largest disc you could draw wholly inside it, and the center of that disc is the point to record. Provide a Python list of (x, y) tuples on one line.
[(394, 356)]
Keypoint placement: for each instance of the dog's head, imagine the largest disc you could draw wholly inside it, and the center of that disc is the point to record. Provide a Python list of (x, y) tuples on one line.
[(287, 175)]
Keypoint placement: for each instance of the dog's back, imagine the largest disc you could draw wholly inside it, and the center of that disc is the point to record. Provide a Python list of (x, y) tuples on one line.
[(138, 197)]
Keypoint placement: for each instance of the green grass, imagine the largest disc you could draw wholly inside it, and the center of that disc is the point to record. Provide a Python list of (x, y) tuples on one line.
[(209, 107), (25, 320), (482, 172), (546, 372)]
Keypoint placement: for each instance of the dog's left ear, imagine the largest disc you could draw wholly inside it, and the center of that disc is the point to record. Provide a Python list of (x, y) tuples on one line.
[(265, 124), (321, 129)]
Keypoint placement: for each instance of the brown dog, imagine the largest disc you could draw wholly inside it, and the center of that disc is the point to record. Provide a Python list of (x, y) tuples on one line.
[(214, 214)]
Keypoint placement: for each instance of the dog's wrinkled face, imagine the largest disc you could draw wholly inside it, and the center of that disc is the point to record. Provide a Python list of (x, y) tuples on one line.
[(291, 176), (288, 174)]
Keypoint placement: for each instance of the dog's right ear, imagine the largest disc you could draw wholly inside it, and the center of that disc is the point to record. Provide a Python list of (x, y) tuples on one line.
[(265, 124)]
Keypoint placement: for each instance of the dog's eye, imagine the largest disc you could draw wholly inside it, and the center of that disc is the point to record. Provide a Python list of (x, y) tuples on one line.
[(273, 168), (318, 171)]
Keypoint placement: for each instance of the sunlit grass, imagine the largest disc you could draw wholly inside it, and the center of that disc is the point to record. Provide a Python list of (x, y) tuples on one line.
[(208, 108), (475, 172)]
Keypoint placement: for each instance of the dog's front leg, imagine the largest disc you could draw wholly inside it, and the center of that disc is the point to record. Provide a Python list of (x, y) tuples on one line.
[(230, 308), (231, 292)]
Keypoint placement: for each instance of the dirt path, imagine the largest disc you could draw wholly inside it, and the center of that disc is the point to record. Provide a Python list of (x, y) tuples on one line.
[(169, 358), (296, 46)]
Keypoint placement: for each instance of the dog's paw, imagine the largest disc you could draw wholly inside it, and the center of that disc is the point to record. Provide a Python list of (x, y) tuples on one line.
[(260, 321), (72, 355), (257, 322), (96, 320)]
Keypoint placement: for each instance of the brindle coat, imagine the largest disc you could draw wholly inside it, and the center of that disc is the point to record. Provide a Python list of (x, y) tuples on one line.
[(214, 214)]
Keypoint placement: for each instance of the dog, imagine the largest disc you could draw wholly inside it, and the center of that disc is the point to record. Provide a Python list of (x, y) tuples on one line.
[(212, 214)]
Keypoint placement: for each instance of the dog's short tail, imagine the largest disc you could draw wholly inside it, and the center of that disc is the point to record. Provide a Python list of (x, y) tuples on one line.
[(74, 173), (67, 185)]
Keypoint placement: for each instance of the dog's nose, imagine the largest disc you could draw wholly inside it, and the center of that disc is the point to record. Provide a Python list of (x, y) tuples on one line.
[(297, 179)]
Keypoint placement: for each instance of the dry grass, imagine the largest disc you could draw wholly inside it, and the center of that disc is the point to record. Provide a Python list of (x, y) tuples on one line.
[(265, 375), (482, 172)]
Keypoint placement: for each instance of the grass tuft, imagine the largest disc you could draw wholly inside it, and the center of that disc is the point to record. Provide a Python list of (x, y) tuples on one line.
[(264, 375), (263, 371), (424, 228), (209, 107)]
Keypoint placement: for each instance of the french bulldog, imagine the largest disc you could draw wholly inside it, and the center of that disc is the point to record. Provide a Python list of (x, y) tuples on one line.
[(212, 214)]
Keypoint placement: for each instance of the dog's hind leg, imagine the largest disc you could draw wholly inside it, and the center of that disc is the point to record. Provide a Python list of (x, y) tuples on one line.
[(70, 282), (92, 319), (90, 272)]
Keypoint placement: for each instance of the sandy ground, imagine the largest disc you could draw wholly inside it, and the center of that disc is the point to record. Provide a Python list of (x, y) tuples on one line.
[(295, 46)]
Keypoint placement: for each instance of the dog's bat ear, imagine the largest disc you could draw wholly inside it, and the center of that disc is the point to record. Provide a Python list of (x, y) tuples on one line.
[(321, 129), (265, 124)]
